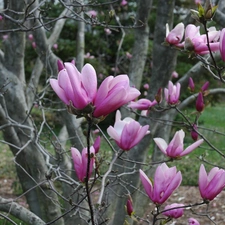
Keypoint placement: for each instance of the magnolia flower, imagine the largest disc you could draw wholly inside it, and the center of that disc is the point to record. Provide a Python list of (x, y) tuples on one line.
[(74, 87), (30, 37), (127, 132), (112, 94), (34, 44), (92, 13), (166, 180), (5, 37), (205, 86), (200, 102), (78, 90), (172, 94), (198, 43), (212, 184), (97, 144), (193, 221), (55, 46), (175, 149), (88, 56), (80, 162), (175, 36), (175, 212), (146, 86), (142, 104), (129, 207), (194, 134), (174, 74), (191, 84), (123, 3), (107, 31), (222, 44)]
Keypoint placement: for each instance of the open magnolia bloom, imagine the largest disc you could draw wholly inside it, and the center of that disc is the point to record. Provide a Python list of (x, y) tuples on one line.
[(78, 90), (175, 149), (112, 94), (212, 184), (127, 132), (166, 180)]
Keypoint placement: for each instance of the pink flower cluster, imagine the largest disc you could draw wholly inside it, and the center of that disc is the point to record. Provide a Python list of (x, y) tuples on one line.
[(190, 39), (80, 90)]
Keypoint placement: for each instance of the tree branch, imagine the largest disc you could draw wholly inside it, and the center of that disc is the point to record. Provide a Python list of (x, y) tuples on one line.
[(20, 212)]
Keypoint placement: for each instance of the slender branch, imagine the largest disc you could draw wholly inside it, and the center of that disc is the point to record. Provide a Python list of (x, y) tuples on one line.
[(105, 176)]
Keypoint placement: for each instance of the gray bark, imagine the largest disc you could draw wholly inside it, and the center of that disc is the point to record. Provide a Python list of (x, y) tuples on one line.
[(140, 48), (20, 212)]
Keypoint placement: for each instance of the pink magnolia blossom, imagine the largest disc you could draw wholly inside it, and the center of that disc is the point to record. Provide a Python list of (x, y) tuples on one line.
[(78, 88), (175, 74), (97, 144), (60, 65), (142, 104), (123, 3), (128, 55), (5, 36), (192, 221), (175, 36), (55, 46), (34, 44), (129, 206), (166, 180), (205, 86), (146, 86), (198, 43), (191, 84), (175, 149), (198, 2), (212, 184), (30, 37), (107, 31), (194, 134), (222, 44), (112, 94), (1, 17), (200, 102), (80, 161), (172, 94), (175, 212), (92, 13), (127, 132), (88, 56)]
